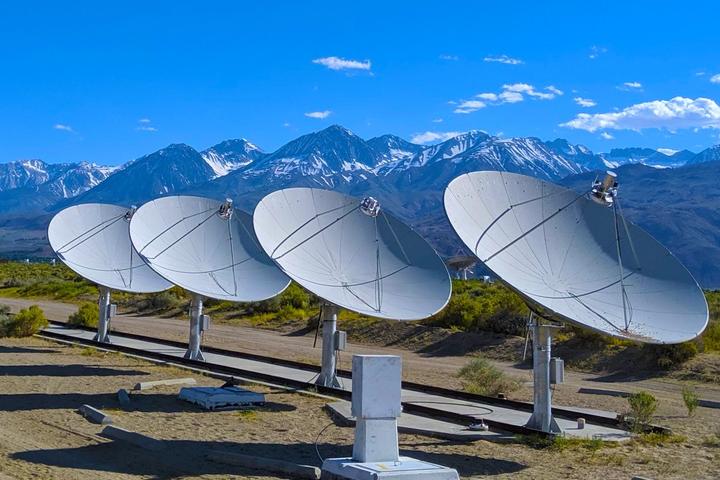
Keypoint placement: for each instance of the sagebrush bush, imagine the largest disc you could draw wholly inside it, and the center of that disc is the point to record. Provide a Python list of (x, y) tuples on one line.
[(670, 356), (642, 408), (87, 315), (690, 399), (476, 306), (482, 377), (28, 321), (711, 337)]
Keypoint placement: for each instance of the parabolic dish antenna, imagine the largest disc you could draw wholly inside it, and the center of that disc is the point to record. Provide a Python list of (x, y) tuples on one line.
[(208, 248), (574, 259), (93, 239), (352, 254)]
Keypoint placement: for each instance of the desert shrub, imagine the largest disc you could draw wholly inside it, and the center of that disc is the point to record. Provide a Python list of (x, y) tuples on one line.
[(690, 399), (4, 310), (669, 356), (476, 306), (87, 315), (482, 377), (28, 321), (163, 301), (642, 408), (711, 337)]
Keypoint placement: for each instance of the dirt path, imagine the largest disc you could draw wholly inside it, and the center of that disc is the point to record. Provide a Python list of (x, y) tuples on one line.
[(438, 370)]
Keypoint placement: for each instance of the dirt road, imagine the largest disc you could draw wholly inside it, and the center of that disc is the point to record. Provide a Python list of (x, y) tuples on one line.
[(437, 370)]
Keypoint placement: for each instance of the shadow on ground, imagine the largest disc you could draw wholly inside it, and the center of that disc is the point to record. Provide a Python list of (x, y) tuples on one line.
[(188, 458), (74, 370), (140, 402), (5, 349)]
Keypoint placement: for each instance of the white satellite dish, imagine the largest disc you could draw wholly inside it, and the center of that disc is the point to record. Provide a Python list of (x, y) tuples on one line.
[(352, 254), (575, 260), (93, 239), (208, 248)]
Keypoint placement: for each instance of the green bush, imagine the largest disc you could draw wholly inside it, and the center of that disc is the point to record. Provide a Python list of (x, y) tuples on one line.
[(670, 356), (711, 337), (476, 306), (27, 322), (690, 399), (481, 377), (642, 408), (87, 315)]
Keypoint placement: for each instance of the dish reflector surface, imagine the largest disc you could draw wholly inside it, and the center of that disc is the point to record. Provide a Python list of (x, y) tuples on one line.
[(559, 250), (191, 242), (351, 255), (93, 239)]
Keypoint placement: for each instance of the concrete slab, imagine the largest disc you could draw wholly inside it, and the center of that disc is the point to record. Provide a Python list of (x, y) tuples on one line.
[(266, 465), (169, 381), (418, 425), (474, 410)]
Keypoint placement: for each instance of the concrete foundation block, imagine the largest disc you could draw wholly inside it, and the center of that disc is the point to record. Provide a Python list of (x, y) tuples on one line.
[(405, 468), (266, 465), (138, 439), (169, 381), (95, 415)]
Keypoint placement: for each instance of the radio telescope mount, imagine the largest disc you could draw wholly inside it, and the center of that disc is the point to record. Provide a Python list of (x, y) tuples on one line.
[(573, 257), (208, 248), (93, 239), (353, 254)]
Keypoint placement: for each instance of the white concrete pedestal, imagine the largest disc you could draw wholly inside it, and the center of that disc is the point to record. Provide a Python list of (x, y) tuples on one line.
[(376, 407)]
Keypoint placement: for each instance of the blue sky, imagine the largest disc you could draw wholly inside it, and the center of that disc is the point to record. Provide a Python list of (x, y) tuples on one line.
[(85, 81)]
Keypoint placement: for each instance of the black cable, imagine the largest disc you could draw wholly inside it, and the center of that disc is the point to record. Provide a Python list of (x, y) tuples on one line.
[(317, 439)]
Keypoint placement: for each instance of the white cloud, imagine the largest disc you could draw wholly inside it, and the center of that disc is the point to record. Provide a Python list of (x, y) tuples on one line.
[(337, 63), (144, 125), (715, 78), (667, 151), (320, 115), (628, 86), (596, 51), (606, 136), (584, 102), (511, 93), (286, 125), (674, 114), (429, 137), (437, 120), (453, 58), (503, 59), (469, 106), (64, 128)]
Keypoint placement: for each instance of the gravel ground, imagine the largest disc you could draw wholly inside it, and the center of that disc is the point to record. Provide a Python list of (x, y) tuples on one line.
[(42, 436)]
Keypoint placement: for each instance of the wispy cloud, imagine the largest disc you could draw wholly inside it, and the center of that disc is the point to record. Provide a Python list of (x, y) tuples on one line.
[(469, 106), (715, 78), (337, 63), (433, 137), (452, 58), (510, 93), (675, 114), (630, 86), (596, 51), (63, 127), (437, 120), (286, 125), (322, 114), (585, 102), (145, 125), (606, 136), (503, 59)]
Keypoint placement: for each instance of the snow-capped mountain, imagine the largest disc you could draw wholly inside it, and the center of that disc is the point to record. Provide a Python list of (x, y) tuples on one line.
[(711, 154), (391, 148), (67, 179), (168, 170), (230, 155), (580, 154), (658, 158)]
